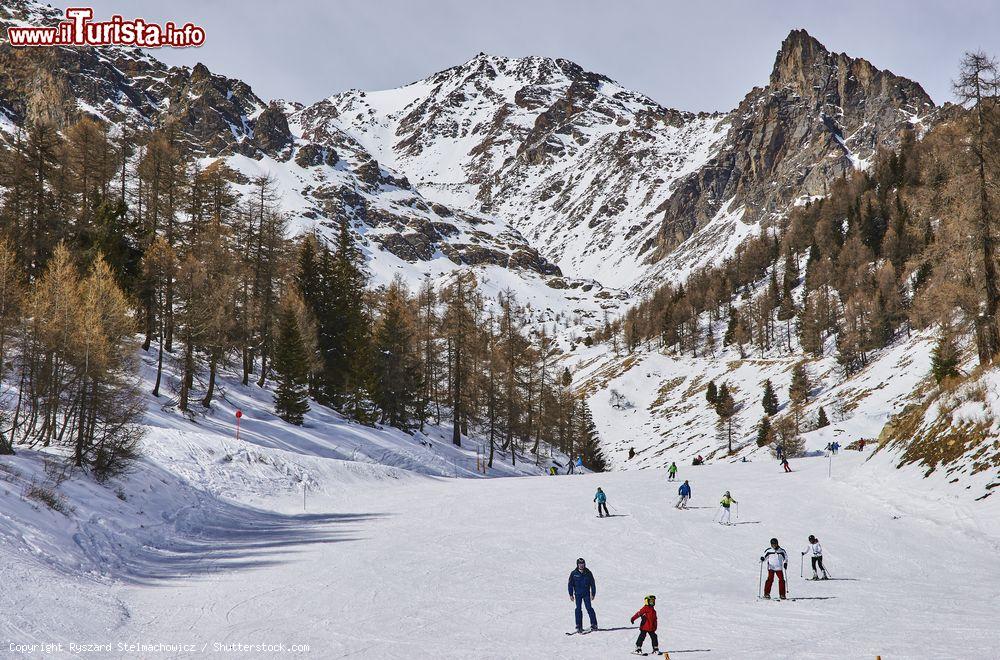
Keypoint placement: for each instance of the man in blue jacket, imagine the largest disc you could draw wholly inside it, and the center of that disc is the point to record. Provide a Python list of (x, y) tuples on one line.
[(583, 588), (685, 494)]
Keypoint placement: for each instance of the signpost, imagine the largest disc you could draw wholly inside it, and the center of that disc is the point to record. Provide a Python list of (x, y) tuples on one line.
[(239, 415)]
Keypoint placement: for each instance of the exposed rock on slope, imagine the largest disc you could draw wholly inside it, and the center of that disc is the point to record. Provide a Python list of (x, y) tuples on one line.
[(820, 115)]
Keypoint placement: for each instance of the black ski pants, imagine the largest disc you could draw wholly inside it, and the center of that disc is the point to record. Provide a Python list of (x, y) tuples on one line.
[(818, 561), (642, 638), (604, 506)]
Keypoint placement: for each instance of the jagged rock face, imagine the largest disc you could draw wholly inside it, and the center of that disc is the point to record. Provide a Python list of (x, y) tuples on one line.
[(513, 162), (574, 161), (214, 115), (821, 115)]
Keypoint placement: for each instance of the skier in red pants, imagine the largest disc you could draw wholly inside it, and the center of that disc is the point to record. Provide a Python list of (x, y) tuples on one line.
[(784, 464), (777, 563)]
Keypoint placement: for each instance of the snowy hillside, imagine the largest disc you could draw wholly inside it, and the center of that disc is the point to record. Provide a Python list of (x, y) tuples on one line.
[(386, 563)]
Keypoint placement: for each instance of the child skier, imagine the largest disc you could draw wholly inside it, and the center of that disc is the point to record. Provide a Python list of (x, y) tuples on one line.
[(816, 552), (784, 464), (602, 503), (777, 563), (672, 471), (685, 494), (647, 626), (726, 501)]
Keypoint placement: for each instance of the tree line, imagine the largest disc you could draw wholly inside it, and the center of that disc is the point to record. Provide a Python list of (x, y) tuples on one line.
[(909, 243), (116, 240)]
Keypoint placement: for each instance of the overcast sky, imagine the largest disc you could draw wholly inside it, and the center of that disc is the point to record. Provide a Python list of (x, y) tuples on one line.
[(691, 54)]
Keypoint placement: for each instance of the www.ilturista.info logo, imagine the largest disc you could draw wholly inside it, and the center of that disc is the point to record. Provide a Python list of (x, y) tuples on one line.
[(79, 30)]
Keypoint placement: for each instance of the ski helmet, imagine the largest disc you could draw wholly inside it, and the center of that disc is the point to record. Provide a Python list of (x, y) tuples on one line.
[(651, 599), (812, 538), (774, 541)]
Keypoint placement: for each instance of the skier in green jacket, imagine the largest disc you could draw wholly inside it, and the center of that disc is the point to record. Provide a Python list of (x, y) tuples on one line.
[(726, 502), (672, 471)]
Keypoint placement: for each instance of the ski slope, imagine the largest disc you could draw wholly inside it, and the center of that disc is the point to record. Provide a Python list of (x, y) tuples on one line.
[(387, 563)]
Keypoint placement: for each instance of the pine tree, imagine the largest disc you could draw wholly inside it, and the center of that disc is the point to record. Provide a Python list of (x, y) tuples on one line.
[(725, 408), (821, 419), (764, 432), (711, 393), (944, 357), (798, 391), (395, 368), (769, 401), (291, 367), (590, 446)]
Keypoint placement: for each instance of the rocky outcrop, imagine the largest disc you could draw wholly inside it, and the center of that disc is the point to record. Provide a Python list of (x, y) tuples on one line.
[(821, 115)]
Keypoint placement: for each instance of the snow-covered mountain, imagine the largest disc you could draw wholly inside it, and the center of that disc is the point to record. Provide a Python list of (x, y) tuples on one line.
[(549, 180)]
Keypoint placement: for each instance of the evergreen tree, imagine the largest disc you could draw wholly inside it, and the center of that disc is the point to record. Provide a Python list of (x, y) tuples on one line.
[(291, 368), (725, 408), (590, 448), (764, 432), (769, 401), (798, 391), (944, 357), (711, 393), (821, 419), (395, 365)]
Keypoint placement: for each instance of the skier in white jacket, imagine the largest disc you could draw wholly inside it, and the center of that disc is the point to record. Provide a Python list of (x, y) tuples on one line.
[(777, 562), (815, 551)]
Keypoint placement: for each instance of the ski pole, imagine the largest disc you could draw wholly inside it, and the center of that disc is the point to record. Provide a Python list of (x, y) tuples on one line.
[(760, 580), (802, 561), (737, 512)]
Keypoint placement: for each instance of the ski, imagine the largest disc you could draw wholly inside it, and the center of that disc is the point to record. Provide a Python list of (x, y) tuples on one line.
[(798, 598)]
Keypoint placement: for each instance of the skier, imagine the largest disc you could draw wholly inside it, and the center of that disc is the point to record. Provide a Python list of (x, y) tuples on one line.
[(552, 471), (784, 464), (647, 625), (836, 448), (583, 588), (579, 462), (602, 503), (817, 557), (777, 563), (726, 501), (861, 444), (672, 471), (779, 450), (631, 452), (685, 494)]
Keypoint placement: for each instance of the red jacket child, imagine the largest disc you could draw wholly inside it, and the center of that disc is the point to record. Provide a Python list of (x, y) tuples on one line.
[(648, 615)]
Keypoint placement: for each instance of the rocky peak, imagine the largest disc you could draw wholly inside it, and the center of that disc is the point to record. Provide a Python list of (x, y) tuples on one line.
[(822, 115)]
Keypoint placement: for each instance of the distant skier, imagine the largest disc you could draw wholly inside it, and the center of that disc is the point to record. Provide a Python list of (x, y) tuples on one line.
[(583, 588), (784, 464), (726, 501), (631, 452), (779, 451), (571, 468), (835, 447), (602, 503), (777, 563), (861, 444), (672, 471), (685, 494), (816, 555), (647, 625), (579, 462), (697, 460), (552, 471)]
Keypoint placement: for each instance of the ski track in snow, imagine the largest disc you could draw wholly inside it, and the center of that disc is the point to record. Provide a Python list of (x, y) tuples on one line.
[(434, 567)]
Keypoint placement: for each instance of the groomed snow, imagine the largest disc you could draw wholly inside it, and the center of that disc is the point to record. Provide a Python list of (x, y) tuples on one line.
[(417, 567)]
